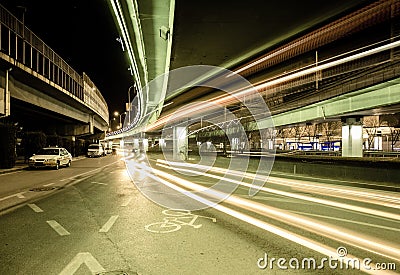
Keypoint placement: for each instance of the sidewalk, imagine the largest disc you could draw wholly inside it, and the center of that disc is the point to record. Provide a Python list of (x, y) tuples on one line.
[(20, 165)]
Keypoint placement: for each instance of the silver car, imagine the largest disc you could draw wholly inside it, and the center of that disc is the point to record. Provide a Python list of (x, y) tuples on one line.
[(95, 150), (53, 157)]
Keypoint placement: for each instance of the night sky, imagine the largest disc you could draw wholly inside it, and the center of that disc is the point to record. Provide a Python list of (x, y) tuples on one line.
[(84, 34)]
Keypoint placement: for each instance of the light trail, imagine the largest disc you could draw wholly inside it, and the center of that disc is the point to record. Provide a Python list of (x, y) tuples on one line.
[(223, 100), (319, 228), (310, 225), (288, 194)]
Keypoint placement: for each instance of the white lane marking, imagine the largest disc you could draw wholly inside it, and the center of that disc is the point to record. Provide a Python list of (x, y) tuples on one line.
[(4, 174), (58, 228), (49, 184), (91, 171), (100, 183), (35, 208), (18, 195), (330, 231), (109, 224), (301, 240), (82, 258), (127, 202), (8, 197)]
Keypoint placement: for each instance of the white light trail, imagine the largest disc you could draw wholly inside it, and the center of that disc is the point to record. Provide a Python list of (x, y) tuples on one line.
[(290, 183), (223, 100), (319, 228)]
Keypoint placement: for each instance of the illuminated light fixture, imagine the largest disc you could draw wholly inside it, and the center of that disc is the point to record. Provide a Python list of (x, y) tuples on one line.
[(117, 9), (164, 32), (119, 39), (130, 69)]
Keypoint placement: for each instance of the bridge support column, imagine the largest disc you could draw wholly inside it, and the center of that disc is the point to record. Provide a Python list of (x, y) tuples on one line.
[(352, 137), (136, 145), (91, 124), (145, 144), (180, 143)]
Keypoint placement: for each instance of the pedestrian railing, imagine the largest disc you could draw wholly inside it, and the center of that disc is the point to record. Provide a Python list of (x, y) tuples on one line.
[(21, 47)]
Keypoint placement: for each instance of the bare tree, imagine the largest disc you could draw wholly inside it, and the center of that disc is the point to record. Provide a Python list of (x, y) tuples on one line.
[(393, 122), (310, 130), (298, 132), (394, 137), (330, 130), (266, 135), (371, 125), (285, 133)]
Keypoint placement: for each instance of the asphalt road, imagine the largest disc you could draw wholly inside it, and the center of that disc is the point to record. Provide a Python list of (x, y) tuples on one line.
[(91, 218)]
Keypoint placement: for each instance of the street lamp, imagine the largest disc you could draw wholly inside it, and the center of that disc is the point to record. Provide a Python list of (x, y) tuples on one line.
[(116, 114), (109, 125)]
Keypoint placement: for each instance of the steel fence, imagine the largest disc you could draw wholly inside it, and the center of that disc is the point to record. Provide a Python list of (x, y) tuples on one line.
[(22, 46)]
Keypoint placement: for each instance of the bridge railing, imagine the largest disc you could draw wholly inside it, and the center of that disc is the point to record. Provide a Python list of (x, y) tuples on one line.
[(22, 46)]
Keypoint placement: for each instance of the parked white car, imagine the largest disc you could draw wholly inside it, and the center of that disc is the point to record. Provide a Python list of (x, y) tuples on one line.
[(53, 157), (95, 150)]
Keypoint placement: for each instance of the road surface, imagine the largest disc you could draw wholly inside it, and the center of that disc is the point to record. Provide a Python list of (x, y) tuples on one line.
[(92, 218)]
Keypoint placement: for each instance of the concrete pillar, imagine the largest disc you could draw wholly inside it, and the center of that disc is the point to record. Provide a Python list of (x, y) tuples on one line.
[(145, 144), (91, 124), (235, 144), (162, 144), (180, 143), (352, 137), (136, 144)]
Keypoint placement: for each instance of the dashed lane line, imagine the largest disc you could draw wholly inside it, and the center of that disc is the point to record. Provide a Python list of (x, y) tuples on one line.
[(58, 228), (100, 183), (106, 227), (127, 202), (35, 208), (91, 171)]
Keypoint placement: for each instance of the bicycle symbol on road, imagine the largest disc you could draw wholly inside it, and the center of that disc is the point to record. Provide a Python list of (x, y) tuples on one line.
[(174, 220)]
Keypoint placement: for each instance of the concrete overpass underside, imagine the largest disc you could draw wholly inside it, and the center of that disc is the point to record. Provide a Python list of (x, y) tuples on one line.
[(380, 99), (40, 107)]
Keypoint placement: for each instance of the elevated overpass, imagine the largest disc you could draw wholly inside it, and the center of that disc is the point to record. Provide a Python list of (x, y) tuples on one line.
[(347, 55), (39, 87)]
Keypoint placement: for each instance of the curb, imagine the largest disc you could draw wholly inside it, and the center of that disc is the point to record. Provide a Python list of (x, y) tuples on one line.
[(22, 167), (14, 169)]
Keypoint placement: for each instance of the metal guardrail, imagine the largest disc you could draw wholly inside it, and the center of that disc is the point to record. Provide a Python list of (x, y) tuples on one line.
[(386, 154), (24, 47)]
